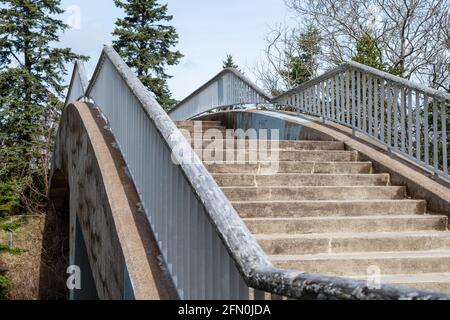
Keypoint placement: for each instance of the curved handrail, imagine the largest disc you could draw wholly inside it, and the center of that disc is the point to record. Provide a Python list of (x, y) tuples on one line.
[(406, 117), (251, 261), (363, 68)]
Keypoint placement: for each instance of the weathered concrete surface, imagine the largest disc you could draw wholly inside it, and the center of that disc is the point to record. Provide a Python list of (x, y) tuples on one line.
[(302, 218), (420, 182), (89, 176)]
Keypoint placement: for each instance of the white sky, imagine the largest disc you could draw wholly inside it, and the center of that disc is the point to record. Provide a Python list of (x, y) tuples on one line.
[(208, 29)]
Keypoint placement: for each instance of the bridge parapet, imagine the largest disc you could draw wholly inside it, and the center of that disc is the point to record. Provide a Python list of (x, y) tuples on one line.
[(227, 89)]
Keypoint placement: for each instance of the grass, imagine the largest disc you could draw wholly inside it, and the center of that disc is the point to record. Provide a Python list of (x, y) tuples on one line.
[(4, 284), (23, 260)]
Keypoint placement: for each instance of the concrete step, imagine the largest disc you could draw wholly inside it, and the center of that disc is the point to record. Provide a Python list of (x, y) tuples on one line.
[(203, 123), (313, 193), (206, 133), (439, 282), (294, 179), (293, 244), (381, 223), (291, 167), (279, 144), (203, 129), (253, 155), (357, 264), (314, 208)]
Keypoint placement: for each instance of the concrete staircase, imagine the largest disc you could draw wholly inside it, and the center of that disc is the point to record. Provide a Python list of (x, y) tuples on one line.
[(326, 212)]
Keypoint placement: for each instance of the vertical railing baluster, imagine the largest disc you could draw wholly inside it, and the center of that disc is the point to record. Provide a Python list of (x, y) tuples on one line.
[(313, 100), (301, 107), (418, 127), (358, 97), (324, 106), (370, 104), (306, 101), (389, 115), (426, 138), (403, 119), (395, 114), (342, 87), (353, 100), (410, 124), (435, 137), (316, 100), (444, 137), (382, 111), (333, 96), (363, 76), (328, 98), (348, 105), (338, 100), (310, 101), (376, 108)]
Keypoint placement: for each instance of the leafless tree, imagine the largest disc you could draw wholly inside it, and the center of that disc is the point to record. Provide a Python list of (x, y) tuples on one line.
[(412, 34), (283, 43)]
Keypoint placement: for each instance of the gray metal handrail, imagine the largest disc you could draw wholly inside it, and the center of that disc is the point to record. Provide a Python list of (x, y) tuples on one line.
[(389, 109), (228, 88), (208, 249), (78, 83)]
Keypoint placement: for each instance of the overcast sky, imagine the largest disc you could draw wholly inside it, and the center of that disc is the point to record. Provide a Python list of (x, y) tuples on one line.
[(208, 29)]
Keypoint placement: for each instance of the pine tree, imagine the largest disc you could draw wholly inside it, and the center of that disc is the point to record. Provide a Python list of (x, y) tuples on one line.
[(368, 52), (302, 60), (144, 41), (229, 62), (31, 75)]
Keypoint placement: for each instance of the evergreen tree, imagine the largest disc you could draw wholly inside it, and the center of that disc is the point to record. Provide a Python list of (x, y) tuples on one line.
[(368, 52), (301, 59), (144, 41), (229, 62), (31, 76)]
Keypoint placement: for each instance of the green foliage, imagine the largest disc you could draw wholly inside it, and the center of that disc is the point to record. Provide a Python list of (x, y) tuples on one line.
[(13, 251), (4, 283), (144, 41), (32, 71), (301, 62), (369, 53), (9, 200), (7, 225), (229, 62)]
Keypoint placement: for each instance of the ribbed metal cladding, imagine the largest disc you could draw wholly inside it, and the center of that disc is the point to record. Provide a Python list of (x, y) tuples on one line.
[(78, 83), (228, 88), (199, 263)]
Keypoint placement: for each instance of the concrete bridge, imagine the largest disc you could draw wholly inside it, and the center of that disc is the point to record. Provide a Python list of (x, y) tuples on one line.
[(337, 189)]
